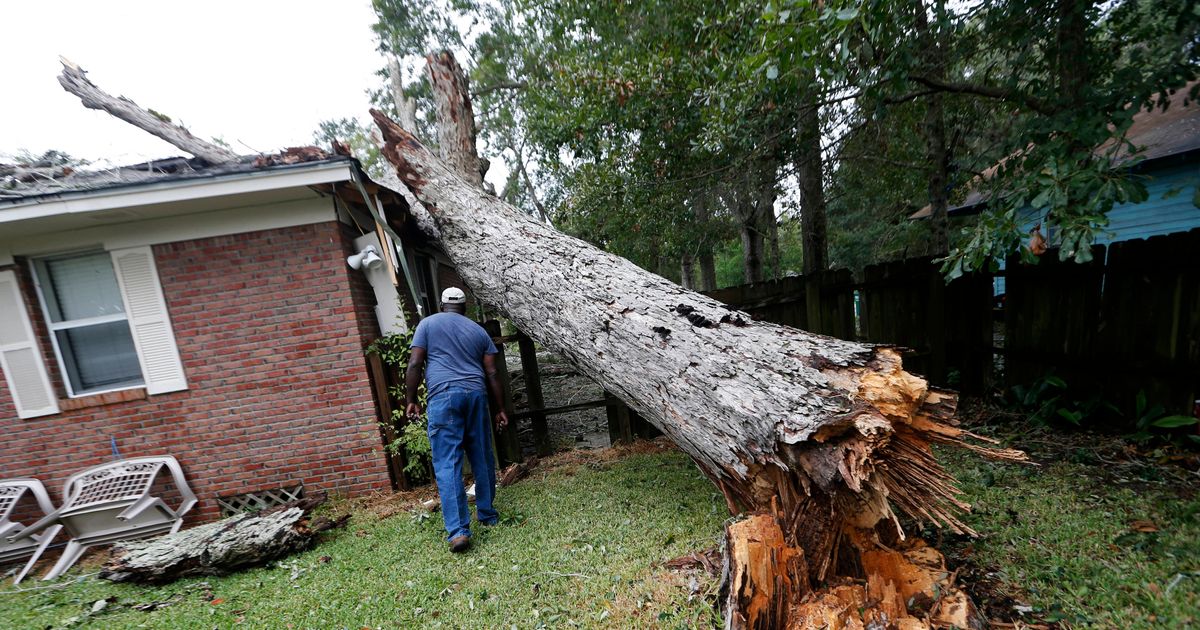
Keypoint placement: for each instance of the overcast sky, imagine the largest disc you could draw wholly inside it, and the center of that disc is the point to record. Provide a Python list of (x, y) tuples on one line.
[(258, 73)]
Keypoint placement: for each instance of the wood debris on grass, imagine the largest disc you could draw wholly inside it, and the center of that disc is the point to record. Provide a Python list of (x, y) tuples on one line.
[(222, 547)]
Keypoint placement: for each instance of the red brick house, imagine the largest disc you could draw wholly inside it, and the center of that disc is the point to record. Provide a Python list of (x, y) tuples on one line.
[(206, 312)]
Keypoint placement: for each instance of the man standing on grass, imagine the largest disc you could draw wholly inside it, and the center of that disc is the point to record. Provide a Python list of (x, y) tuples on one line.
[(460, 376)]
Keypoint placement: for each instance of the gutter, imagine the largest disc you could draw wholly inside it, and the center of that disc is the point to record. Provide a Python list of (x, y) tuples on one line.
[(376, 210)]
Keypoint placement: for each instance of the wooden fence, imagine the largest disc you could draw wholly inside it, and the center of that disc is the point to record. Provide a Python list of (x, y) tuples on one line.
[(1128, 321), (946, 330)]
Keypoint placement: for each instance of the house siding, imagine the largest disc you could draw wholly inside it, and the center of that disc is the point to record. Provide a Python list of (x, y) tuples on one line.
[(270, 327), (1169, 208)]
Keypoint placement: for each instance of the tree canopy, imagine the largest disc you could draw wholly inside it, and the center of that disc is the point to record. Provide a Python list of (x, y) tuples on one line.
[(674, 132)]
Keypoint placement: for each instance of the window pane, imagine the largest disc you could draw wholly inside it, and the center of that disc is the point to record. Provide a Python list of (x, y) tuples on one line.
[(80, 287), (99, 357)]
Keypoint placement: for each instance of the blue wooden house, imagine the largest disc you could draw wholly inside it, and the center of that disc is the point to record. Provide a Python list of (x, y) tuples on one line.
[(1169, 143)]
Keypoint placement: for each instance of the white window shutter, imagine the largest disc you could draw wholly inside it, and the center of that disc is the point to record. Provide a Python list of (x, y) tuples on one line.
[(148, 320), (20, 357)]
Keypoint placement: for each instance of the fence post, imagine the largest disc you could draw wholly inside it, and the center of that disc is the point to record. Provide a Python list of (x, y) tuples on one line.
[(619, 429), (935, 325), (387, 429), (812, 303), (533, 391), (508, 444)]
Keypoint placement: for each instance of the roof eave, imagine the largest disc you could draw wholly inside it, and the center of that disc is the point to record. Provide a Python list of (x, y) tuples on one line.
[(140, 194)]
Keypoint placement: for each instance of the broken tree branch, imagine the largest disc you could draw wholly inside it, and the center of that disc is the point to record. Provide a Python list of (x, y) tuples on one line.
[(74, 80), (456, 131)]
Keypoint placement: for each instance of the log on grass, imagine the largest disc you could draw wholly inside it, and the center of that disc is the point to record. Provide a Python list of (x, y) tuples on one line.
[(222, 547), (824, 435)]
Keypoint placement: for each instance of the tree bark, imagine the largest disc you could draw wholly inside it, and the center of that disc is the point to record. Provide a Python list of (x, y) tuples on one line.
[(222, 547), (702, 210), (823, 434), (406, 109), (708, 269), (74, 80), (456, 119), (774, 258)]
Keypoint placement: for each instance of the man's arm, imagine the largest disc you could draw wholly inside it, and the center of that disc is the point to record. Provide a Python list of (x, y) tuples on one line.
[(491, 374), (412, 382)]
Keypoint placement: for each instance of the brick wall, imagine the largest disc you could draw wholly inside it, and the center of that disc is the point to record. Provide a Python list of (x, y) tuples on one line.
[(271, 339)]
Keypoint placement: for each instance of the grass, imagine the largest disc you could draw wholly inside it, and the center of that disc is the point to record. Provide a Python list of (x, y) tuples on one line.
[(582, 540), (578, 545), (1064, 537)]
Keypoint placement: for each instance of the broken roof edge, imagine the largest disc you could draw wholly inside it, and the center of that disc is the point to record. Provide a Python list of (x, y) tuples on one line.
[(158, 180)]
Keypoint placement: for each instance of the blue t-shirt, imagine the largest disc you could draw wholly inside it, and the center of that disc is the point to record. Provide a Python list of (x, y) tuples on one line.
[(454, 347)]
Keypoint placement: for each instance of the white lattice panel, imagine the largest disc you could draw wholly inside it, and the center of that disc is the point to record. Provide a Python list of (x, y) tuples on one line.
[(258, 501)]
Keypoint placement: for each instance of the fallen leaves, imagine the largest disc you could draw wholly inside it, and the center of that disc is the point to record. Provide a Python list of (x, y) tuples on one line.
[(1143, 526)]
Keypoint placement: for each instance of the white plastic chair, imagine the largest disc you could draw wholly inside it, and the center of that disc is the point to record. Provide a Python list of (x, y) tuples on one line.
[(112, 502), (12, 491)]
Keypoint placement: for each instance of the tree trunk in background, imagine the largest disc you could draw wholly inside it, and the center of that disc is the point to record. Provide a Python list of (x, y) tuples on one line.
[(406, 106), (708, 269), (937, 154), (764, 211), (817, 432), (456, 142), (810, 173), (752, 248), (687, 272), (702, 209), (774, 259)]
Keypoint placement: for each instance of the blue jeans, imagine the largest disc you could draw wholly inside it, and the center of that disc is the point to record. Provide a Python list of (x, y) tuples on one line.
[(459, 422)]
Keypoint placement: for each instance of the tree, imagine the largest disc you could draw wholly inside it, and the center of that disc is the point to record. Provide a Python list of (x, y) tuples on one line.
[(813, 431)]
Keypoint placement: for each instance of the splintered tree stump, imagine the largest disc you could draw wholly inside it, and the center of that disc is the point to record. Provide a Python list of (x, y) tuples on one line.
[(220, 548), (764, 575)]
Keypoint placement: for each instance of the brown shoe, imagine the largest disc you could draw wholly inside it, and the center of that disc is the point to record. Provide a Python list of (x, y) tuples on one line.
[(459, 544)]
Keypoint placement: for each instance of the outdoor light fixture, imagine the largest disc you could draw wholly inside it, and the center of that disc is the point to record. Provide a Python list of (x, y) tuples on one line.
[(366, 259)]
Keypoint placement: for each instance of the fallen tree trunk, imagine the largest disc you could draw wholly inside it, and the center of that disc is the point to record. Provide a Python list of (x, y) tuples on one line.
[(824, 435), (817, 436), (222, 547)]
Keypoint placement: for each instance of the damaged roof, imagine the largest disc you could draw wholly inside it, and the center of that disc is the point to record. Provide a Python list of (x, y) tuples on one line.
[(1157, 133), (23, 184)]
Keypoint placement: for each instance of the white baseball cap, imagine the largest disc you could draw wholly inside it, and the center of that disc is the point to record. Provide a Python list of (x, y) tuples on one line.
[(454, 295)]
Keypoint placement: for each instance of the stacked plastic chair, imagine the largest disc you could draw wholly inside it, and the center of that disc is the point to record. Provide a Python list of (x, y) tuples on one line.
[(111, 503), (12, 548)]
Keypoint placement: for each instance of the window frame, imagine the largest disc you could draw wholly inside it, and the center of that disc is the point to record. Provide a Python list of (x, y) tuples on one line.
[(53, 327), (427, 286)]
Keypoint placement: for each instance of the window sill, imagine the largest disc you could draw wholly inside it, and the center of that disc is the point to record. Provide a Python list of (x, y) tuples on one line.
[(99, 400)]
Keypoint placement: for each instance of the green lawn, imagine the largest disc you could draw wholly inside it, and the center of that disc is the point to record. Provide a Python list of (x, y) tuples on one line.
[(577, 545), (1063, 535), (581, 542)]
